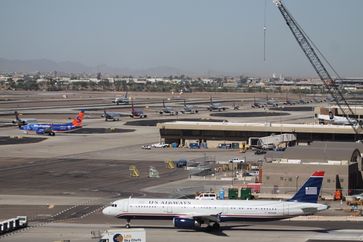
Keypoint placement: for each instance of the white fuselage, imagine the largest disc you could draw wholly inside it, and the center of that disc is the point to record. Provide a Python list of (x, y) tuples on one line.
[(228, 210), (336, 119)]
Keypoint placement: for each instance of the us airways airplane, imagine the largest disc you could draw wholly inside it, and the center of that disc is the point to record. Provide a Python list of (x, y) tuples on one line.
[(338, 120), (51, 128), (192, 214)]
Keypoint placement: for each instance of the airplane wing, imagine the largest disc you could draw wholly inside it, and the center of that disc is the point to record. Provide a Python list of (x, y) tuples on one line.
[(113, 114), (205, 217), (309, 210)]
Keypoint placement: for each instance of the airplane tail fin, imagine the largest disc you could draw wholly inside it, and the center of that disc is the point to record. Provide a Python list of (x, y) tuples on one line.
[(78, 120), (309, 192), (18, 120), (17, 116), (331, 115)]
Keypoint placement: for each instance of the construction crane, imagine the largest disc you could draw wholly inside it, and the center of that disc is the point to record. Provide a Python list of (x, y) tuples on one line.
[(307, 46)]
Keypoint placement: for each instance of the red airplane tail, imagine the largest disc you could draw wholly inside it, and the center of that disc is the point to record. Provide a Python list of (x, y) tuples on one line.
[(78, 120)]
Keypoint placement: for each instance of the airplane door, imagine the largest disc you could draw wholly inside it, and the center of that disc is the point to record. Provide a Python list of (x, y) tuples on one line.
[(125, 206)]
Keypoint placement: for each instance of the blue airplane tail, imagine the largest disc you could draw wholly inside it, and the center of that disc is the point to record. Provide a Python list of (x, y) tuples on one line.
[(309, 192), (18, 120)]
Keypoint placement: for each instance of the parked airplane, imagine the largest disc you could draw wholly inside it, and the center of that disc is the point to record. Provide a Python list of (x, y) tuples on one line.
[(333, 119), (271, 102), (257, 104), (235, 106), (189, 109), (215, 106), (191, 214), (168, 110), (288, 101), (51, 128), (114, 116), (136, 113), (122, 100)]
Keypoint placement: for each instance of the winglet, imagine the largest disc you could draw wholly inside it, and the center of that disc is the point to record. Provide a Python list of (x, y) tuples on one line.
[(309, 192)]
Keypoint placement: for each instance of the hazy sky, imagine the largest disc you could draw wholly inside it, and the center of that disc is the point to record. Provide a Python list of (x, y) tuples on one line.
[(192, 35)]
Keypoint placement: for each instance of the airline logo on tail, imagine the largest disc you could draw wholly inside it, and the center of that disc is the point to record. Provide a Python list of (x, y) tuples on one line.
[(78, 120), (309, 192)]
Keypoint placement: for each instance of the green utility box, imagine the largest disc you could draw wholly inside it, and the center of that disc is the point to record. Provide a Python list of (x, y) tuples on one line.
[(235, 145), (245, 193), (232, 193)]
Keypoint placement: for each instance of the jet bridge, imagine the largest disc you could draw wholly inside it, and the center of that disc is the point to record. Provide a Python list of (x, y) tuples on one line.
[(275, 140)]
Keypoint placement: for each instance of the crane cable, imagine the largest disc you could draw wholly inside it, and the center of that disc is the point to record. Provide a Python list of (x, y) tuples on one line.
[(264, 32)]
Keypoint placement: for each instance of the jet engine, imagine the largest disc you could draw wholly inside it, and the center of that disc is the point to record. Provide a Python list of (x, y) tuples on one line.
[(185, 223)]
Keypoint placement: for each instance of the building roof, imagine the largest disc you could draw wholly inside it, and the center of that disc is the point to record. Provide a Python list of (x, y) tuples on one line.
[(261, 127), (338, 145), (320, 152)]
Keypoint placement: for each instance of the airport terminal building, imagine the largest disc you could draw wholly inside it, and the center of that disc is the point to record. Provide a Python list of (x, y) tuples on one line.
[(212, 133)]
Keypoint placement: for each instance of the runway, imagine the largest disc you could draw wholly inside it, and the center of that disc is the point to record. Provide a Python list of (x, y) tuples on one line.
[(164, 232)]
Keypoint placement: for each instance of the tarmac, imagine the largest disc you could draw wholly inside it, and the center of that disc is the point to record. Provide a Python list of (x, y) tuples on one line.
[(63, 182), (161, 232)]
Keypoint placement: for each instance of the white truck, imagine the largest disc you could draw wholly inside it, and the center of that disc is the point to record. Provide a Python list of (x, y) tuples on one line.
[(206, 196), (236, 160), (124, 235)]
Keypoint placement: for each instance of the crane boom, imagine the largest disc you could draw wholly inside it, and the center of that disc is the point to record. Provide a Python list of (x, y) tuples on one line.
[(319, 67)]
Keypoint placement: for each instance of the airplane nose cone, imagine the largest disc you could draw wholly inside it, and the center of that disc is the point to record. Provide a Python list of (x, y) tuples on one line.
[(106, 211)]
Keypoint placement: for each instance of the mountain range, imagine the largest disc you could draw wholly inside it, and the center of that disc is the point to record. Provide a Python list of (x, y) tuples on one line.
[(45, 65)]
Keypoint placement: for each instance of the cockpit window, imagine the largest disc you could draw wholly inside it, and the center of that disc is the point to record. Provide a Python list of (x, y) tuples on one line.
[(114, 205)]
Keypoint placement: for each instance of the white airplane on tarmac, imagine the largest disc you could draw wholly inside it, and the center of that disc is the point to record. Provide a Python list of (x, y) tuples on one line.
[(337, 120), (191, 214)]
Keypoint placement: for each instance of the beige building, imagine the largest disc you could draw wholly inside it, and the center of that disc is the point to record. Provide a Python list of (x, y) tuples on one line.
[(284, 172)]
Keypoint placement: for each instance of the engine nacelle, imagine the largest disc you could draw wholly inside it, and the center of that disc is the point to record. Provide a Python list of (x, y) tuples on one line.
[(40, 131), (185, 223)]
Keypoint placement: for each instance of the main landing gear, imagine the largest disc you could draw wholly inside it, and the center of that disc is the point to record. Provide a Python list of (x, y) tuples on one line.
[(214, 227), (128, 223)]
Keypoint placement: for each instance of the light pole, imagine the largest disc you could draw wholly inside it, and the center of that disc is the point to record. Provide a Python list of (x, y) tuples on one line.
[(296, 182)]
